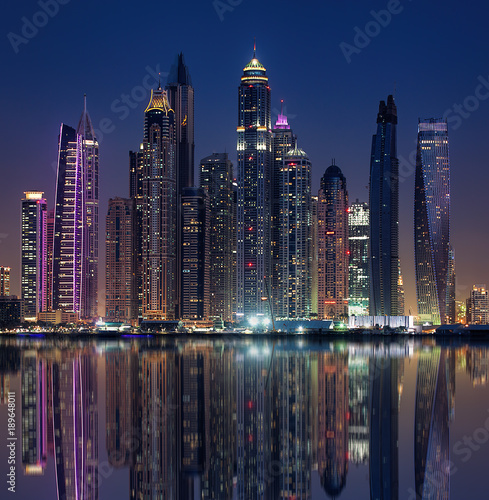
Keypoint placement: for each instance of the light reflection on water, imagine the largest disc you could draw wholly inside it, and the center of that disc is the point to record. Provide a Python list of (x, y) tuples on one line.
[(224, 419)]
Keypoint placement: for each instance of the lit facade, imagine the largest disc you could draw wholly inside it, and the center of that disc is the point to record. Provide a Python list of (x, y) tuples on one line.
[(216, 177), (384, 214), (294, 243), (34, 254), (333, 245), (432, 221), (479, 305), (49, 255), (195, 254), (120, 277), (283, 140), (68, 224), (358, 268), (4, 281), (90, 200), (254, 190), (159, 210)]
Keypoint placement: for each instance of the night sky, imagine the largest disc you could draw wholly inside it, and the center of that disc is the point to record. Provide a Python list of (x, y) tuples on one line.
[(433, 54)]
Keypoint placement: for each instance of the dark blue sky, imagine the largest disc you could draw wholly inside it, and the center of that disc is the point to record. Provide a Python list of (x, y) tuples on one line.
[(432, 52)]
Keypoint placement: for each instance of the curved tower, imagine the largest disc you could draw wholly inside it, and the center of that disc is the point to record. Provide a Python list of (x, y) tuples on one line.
[(254, 190), (432, 222), (159, 209)]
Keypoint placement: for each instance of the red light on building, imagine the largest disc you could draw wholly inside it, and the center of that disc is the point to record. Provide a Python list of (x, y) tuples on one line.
[(348, 252), (250, 264), (250, 438), (250, 404)]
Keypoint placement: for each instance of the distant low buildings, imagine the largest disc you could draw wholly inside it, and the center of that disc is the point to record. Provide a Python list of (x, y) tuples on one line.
[(11, 310)]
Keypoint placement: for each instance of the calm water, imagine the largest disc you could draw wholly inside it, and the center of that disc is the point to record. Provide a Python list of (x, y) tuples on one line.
[(229, 420)]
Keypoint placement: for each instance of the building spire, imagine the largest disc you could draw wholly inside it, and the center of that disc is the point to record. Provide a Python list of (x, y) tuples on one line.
[(84, 103), (254, 47)]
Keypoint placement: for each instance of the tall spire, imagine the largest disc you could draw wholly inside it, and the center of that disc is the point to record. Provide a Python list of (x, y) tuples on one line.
[(254, 47), (85, 127), (281, 122)]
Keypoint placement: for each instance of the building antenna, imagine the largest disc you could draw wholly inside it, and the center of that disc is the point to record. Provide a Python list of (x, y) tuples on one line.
[(84, 103), (254, 47), (281, 106)]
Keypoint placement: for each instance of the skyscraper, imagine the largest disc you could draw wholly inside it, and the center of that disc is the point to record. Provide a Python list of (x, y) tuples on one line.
[(90, 177), (432, 220), (294, 243), (384, 214), (283, 140), (195, 254), (34, 259), (75, 239), (333, 245), (4, 281), (159, 210), (479, 305), (49, 256), (216, 177), (68, 224), (120, 271), (254, 191), (358, 268)]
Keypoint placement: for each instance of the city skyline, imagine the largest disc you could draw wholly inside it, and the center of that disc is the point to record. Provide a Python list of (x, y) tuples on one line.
[(467, 124)]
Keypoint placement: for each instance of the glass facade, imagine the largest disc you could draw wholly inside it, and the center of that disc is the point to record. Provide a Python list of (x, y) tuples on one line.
[(254, 190), (432, 221), (384, 214)]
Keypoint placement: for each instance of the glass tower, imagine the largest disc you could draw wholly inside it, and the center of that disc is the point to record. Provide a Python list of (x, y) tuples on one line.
[(358, 271), (384, 214), (34, 259), (333, 245), (159, 210), (254, 190), (432, 221), (294, 249)]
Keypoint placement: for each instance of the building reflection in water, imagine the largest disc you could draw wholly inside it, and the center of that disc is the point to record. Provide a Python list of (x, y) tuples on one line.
[(333, 412), (385, 391), (434, 397), (75, 424), (217, 420)]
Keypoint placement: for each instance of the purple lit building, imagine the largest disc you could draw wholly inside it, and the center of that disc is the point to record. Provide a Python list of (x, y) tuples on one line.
[(75, 239)]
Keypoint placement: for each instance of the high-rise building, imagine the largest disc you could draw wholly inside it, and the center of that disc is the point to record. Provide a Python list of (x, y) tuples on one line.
[(159, 210), (49, 256), (283, 140), (34, 258), (216, 177), (333, 245), (314, 256), (90, 181), (195, 253), (451, 309), (4, 281), (479, 305), (254, 190), (358, 268), (384, 214), (432, 220), (120, 270), (75, 238), (294, 243), (181, 99), (68, 224), (358, 395)]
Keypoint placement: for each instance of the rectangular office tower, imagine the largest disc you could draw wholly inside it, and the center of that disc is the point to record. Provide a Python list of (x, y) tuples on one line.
[(216, 177), (195, 254), (254, 190), (358, 270), (384, 214), (4, 281), (432, 221), (120, 277), (34, 259)]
